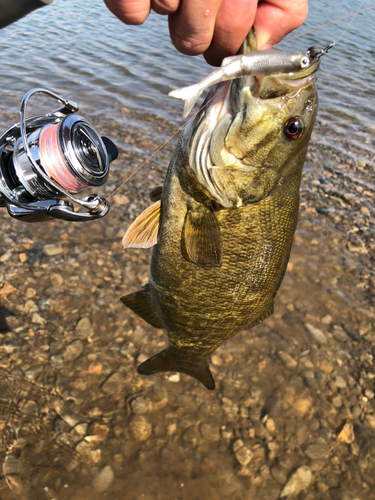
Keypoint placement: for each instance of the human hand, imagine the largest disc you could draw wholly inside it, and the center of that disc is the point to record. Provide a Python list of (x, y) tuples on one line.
[(217, 28)]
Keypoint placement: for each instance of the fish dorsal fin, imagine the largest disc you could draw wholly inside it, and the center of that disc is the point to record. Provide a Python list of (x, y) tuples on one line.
[(143, 232), (155, 194), (140, 303), (170, 360), (202, 237)]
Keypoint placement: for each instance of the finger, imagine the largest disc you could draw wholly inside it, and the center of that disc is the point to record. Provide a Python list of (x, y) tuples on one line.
[(276, 18), (130, 11), (165, 7), (192, 26), (233, 23)]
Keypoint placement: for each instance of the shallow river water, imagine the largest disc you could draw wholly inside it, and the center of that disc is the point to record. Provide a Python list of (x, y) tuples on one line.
[(293, 414)]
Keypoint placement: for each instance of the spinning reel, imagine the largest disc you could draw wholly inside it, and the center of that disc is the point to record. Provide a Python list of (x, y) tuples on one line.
[(47, 159)]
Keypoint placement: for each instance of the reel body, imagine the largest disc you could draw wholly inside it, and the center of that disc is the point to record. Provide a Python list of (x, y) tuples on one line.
[(46, 160)]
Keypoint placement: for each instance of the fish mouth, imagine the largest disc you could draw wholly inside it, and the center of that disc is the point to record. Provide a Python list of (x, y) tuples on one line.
[(208, 153)]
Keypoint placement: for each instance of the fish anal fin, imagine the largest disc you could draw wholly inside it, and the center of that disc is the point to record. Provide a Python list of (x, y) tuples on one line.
[(155, 194), (143, 232), (169, 361), (140, 303), (202, 237)]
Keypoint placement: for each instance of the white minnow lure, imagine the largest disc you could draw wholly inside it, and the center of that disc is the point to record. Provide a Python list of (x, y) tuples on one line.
[(263, 62)]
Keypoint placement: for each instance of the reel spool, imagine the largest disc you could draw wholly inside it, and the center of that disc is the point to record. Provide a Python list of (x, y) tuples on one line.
[(46, 160)]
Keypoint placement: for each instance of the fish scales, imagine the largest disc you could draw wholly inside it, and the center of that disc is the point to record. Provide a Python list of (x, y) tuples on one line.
[(225, 219)]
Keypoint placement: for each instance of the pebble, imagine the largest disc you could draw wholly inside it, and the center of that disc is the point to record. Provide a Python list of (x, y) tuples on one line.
[(104, 479), (84, 327), (175, 377), (325, 366), (279, 474), (6, 256), (337, 401), (51, 250), (56, 280), (288, 361), (22, 257), (36, 318), (340, 382), (316, 334), (270, 425), (302, 406), (216, 360), (346, 434), (140, 428), (327, 319), (242, 453), (114, 384), (30, 293), (370, 420), (316, 451), (81, 429), (141, 405), (72, 351), (297, 482)]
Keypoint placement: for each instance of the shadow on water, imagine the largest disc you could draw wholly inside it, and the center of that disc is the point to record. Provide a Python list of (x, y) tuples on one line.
[(293, 414)]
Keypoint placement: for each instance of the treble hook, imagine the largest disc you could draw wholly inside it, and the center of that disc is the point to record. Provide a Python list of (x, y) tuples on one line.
[(314, 53)]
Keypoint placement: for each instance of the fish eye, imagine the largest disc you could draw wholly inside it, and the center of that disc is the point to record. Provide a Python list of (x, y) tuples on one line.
[(305, 62), (293, 128)]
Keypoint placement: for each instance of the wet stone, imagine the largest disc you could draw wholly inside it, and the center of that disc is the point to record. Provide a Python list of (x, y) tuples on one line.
[(141, 405), (114, 384), (340, 382), (316, 334), (51, 250), (140, 428), (104, 479), (84, 327), (279, 474), (316, 451), (56, 280), (242, 453), (288, 361), (73, 350), (299, 481)]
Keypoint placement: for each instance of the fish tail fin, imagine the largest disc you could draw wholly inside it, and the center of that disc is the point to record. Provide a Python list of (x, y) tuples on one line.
[(189, 95), (168, 361)]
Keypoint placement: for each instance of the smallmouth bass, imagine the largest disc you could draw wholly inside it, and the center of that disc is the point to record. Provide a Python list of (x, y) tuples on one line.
[(223, 223)]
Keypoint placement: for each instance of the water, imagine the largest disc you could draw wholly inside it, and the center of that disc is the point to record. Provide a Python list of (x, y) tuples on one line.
[(77, 422)]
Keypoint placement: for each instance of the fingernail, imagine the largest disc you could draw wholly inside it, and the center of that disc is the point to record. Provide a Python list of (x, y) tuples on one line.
[(268, 45)]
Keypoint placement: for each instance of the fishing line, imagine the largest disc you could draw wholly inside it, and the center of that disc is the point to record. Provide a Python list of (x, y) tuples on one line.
[(284, 41), (328, 24), (162, 146)]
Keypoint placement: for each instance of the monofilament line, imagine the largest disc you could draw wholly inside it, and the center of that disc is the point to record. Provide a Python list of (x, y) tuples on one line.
[(162, 146)]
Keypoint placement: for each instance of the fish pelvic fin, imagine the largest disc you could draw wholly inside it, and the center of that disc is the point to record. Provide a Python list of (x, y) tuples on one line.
[(143, 232), (202, 237), (189, 94), (171, 360), (140, 303)]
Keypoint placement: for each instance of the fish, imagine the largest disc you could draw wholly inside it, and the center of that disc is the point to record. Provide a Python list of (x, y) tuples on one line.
[(222, 224), (265, 62)]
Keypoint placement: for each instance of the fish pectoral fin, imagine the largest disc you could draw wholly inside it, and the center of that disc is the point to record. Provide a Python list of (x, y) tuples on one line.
[(155, 194), (143, 232), (140, 303), (202, 237), (170, 360)]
